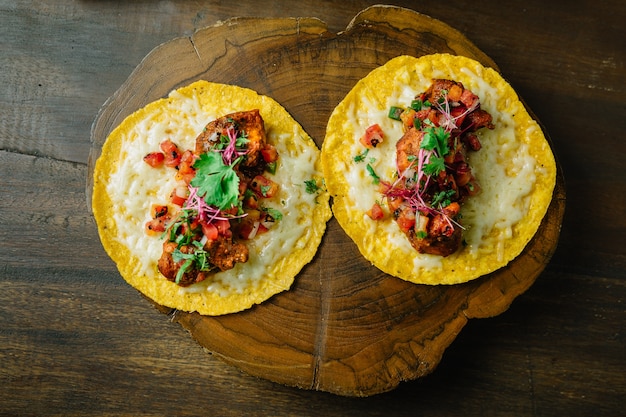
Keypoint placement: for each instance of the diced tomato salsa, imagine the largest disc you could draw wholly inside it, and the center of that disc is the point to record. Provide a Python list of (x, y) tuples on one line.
[(199, 236), (433, 175)]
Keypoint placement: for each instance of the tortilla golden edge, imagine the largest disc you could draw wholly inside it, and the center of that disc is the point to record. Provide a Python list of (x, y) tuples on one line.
[(454, 269), (165, 293)]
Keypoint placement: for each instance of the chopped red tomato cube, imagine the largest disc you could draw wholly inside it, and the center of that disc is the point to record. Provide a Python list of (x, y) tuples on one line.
[(408, 118), (250, 230), (250, 200), (376, 212), (154, 159), (455, 92), (178, 196), (458, 115), (186, 171), (373, 136), (262, 229), (209, 230), (468, 98), (158, 210), (269, 153), (171, 152), (223, 226), (393, 203), (406, 219), (264, 187), (155, 226)]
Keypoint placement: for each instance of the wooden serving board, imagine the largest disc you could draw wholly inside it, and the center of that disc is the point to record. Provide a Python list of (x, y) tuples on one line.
[(344, 327)]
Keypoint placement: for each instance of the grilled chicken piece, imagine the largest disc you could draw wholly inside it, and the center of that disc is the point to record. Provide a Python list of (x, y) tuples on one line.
[(478, 119), (439, 87), (250, 122), (224, 253), (407, 146), (169, 268), (442, 237)]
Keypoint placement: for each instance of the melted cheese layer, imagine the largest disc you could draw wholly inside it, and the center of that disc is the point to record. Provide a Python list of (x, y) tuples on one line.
[(128, 188), (515, 169)]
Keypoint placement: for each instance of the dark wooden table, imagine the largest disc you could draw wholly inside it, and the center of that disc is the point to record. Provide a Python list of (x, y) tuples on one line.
[(75, 339)]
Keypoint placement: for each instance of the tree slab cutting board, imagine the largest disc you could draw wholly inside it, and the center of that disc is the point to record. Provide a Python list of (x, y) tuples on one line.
[(344, 327)]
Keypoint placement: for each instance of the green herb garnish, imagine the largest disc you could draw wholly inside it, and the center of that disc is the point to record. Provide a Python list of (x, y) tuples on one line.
[(265, 189), (185, 217), (395, 112), (217, 182), (420, 234), (435, 140), (361, 157), (443, 198), (311, 186), (418, 105), (375, 177), (199, 258), (271, 167), (274, 214)]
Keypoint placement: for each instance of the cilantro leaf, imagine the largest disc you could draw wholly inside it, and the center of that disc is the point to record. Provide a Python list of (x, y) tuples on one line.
[(443, 198), (361, 157), (184, 218), (311, 186), (271, 167), (434, 166), (265, 189), (240, 138), (429, 141), (199, 257), (275, 214), (375, 177), (217, 183), (436, 139), (182, 270)]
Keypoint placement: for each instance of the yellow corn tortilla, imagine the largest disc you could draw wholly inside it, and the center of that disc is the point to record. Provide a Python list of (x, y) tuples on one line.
[(125, 187), (515, 169)]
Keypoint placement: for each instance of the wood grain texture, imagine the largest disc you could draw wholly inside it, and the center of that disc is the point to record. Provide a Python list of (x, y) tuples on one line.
[(344, 327), (76, 340)]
